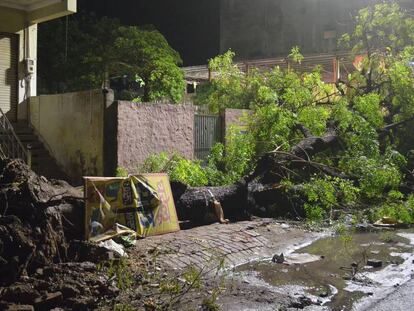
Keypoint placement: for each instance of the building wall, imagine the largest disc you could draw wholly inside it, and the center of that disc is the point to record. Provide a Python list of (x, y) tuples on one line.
[(24, 23), (15, 21), (72, 127), (146, 129), (268, 28)]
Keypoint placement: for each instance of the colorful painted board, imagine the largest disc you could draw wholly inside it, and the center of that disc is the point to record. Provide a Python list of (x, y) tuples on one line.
[(143, 203)]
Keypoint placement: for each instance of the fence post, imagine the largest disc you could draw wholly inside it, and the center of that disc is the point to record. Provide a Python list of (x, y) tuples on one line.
[(335, 65), (29, 155)]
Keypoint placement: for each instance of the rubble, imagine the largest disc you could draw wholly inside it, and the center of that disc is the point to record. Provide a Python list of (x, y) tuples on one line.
[(43, 262)]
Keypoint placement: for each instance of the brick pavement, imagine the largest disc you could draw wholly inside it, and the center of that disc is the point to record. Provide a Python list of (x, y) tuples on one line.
[(237, 243)]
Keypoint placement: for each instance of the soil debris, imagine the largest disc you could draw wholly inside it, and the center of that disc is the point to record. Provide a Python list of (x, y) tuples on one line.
[(43, 262)]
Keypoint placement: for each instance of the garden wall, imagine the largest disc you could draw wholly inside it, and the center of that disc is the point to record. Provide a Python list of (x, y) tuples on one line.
[(144, 129), (234, 117), (71, 126)]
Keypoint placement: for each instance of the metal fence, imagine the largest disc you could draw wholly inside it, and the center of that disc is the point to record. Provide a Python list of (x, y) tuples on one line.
[(10, 145), (208, 130)]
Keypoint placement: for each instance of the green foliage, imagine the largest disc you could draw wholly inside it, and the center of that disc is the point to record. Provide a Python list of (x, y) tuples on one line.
[(156, 163), (100, 48), (388, 237), (225, 165), (123, 307), (178, 168), (383, 25), (228, 164), (121, 172), (375, 175), (226, 90), (188, 172), (147, 55), (81, 62), (323, 194), (120, 272), (397, 207), (295, 55), (210, 303)]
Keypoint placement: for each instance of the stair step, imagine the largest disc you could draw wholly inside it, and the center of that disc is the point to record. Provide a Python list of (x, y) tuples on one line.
[(25, 131), (28, 138), (42, 162), (40, 154)]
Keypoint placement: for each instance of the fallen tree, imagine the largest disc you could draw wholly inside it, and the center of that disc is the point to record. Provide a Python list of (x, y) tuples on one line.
[(262, 189), (311, 147)]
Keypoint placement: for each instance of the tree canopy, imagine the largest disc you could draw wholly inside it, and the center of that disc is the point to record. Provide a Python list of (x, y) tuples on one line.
[(85, 51)]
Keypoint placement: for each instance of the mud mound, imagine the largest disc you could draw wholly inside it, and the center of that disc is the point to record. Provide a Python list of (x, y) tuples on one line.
[(38, 219), (41, 252), (70, 286)]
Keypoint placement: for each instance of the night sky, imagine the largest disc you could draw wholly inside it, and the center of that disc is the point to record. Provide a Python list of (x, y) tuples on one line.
[(191, 26)]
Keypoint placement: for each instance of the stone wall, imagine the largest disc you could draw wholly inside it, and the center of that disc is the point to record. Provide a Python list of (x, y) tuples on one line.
[(144, 129), (72, 127), (234, 117)]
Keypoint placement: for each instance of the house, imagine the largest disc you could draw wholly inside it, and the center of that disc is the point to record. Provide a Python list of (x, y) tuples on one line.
[(18, 48)]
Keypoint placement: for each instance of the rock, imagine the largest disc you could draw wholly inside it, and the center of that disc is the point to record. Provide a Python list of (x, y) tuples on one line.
[(13, 307), (278, 258), (49, 301), (81, 303), (69, 291), (20, 293), (374, 263), (301, 303)]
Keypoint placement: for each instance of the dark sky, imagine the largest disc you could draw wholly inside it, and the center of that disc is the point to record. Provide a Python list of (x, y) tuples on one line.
[(190, 26)]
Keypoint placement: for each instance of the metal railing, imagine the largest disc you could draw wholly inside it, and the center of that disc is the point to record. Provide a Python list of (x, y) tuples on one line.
[(10, 145), (330, 64)]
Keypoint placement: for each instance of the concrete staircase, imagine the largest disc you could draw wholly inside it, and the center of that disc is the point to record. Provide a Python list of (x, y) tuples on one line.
[(42, 161)]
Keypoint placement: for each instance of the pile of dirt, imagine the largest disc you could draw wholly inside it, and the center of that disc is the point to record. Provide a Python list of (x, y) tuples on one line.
[(41, 225), (69, 286)]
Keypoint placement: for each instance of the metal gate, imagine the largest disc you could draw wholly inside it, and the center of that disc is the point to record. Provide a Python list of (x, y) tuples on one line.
[(207, 132)]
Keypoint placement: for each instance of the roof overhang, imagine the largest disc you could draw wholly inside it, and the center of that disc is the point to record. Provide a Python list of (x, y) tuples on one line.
[(38, 11)]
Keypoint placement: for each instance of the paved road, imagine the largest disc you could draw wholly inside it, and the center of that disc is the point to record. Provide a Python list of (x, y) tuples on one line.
[(237, 243), (402, 299)]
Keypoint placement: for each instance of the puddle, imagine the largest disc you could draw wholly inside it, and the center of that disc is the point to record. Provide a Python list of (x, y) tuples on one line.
[(334, 272)]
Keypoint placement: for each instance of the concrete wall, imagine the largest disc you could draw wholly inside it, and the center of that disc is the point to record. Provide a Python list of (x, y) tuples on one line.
[(72, 125), (146, 129), (268, 28)]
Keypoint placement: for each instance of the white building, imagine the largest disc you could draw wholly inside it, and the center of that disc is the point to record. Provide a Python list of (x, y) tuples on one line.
[(18, 48)]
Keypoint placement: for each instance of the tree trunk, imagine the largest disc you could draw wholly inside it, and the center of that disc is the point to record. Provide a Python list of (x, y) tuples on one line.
[(260, 193), (195, 204)]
